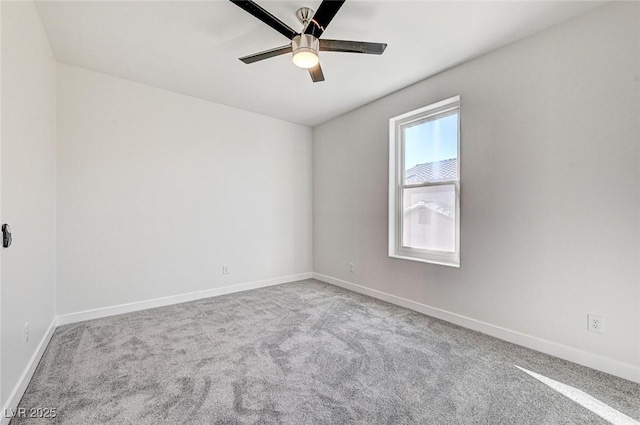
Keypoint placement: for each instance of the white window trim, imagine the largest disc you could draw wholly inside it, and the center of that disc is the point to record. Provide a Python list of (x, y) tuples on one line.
[(396, 250)]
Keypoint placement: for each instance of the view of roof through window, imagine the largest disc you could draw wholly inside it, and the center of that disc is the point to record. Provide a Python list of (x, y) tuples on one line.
[(432, 171), (431, 150)]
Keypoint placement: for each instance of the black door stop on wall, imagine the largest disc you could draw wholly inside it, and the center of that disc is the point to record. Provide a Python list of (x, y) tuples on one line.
[(6, 235)]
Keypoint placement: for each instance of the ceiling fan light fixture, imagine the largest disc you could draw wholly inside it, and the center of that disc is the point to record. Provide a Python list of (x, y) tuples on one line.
[(305, 50), (305, 59)]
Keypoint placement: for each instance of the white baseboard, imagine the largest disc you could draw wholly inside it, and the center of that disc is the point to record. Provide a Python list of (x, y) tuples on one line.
[(99, 313), (25, 378), (594, 361)]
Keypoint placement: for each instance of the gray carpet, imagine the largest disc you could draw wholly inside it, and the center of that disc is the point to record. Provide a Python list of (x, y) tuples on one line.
[(303, 353)]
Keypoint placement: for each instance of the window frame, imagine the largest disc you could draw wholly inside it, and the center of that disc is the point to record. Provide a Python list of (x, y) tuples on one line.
[(427, 113)]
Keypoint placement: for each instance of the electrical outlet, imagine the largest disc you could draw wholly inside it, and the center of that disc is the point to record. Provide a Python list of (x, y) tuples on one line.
[(352, 268), (595, 323), (225, 269), (26, 332)]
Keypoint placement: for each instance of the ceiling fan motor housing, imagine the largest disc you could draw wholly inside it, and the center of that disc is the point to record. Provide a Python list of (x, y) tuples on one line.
[(305, 45)]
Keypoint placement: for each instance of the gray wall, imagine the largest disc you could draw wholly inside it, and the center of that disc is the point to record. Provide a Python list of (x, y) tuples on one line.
[(158, 190), (550, 188), (28, 187)]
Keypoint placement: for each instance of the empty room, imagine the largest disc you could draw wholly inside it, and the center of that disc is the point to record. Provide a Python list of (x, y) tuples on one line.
[(320, 212)]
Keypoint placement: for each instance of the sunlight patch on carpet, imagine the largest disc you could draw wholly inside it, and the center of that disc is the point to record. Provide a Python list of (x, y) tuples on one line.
[(585, 400)]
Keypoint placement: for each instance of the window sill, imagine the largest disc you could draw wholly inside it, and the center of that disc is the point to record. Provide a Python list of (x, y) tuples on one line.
[(438, 261)]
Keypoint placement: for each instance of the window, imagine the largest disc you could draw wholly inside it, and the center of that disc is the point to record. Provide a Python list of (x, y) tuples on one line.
[(424, 184)]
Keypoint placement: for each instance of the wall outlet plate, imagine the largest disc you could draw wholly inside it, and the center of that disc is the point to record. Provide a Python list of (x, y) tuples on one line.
[(225, 269), (352, 268), (26, 332), (595, 323)]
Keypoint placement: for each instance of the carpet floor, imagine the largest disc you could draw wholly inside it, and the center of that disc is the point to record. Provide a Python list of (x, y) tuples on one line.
[(306, 353)]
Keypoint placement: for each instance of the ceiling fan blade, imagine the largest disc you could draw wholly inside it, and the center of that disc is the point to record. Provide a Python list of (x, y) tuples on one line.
[(266, 17), (277, 51), (352, 46), (323, 16), (316, 73)]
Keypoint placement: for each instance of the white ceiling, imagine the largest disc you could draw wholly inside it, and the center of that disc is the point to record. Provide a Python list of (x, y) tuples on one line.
[(193, 47)]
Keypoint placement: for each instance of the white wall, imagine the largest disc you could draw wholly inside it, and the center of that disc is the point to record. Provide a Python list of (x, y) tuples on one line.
[(550, 199), (156, 191), (28, 187)]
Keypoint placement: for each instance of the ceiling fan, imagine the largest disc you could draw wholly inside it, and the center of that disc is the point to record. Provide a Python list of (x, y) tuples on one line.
[(306, 44)]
